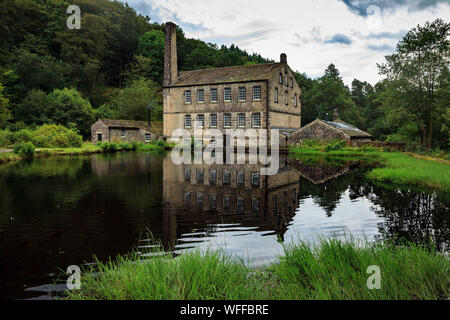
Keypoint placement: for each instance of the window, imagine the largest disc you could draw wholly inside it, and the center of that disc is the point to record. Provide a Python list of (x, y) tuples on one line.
[(257, 93), (242, 93), (281, 78), (255, 179), (256, 120), (200, 200), (187, 198), (187, 121), (122, 133), (200, 120), (275, 204), (295, 100), (200, 176), (213, 120), (226, 177), (201, 96), (276, 95), (212, 176), (285, 79), (226, 202), (187, 175), (292, 83), (147, 137), (187, 96), (255, 205), (212, 202), (241, 120), (227, 94), (214, 96), (240, 204), (227, 120), (286, 98), (240, 178)]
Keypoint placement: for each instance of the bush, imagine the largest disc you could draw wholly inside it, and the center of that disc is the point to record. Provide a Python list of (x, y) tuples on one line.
[(109, 147), (23, 135), (135, 145), (335, 145), (5, 136), (24, 149), (161, 143), (50, 135), (125, 146)]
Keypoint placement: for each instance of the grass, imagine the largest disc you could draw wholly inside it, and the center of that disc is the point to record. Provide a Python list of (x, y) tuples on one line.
[(86, 148), (397, 167), (329, 270)]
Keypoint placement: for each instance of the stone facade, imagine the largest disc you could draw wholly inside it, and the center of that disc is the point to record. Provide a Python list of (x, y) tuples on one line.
[(105, 130), (283, 113), (325, 131)]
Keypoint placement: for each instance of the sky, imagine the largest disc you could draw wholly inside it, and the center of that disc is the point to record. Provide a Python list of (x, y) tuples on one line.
[(355, 35)]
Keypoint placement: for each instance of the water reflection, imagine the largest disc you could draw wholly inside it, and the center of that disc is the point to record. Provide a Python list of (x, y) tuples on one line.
[(56, 212)]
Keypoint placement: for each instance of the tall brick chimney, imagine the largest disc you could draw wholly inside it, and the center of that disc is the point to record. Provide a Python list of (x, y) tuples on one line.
[(170, 55), (283, 58)]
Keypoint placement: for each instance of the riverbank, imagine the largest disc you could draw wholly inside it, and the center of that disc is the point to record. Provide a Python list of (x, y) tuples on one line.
[(329, 270), (86, 148), (397, 167)]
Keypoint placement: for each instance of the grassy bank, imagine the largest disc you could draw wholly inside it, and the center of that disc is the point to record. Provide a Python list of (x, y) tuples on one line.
[(329, 270), (397, 167), (87, 148)]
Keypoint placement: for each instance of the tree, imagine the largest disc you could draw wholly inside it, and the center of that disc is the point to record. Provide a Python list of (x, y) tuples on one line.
[(151, 45), (5, 113), (131, 102), (422, 56), (32, 109), (67, 105)]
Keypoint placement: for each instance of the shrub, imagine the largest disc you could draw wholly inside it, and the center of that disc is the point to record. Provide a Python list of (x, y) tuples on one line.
[(335, 145), (50, 135), (5, 138), (135, 145), (161, 143), (24, 149), (23, 135), (125, 146), (109, 147)]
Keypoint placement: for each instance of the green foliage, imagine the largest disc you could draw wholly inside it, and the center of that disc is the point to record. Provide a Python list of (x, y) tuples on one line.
[(24, 149), (5, 113), (335, 145), (331, 269), (49, 136), (151, 45), (131, 102), (67, 105), (109, 147), (24, 135), (5, 138)]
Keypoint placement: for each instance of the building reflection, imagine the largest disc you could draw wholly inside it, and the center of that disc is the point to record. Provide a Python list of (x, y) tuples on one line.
[(222, 194)]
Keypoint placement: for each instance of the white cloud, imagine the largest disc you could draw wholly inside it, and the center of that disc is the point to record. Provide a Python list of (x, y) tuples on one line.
[(298, 28)]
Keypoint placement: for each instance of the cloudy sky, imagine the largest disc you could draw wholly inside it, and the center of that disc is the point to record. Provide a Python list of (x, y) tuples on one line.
[(355, 35)]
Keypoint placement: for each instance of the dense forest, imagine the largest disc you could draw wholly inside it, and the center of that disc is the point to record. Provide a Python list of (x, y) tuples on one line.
[(113, 66)]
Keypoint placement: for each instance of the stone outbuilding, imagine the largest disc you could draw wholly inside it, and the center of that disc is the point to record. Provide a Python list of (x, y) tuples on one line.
[(108, 130), (324, 130)]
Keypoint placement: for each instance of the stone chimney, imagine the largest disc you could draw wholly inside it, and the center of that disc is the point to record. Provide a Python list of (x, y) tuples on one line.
[(283, 58), (335, 115), (170, 55)]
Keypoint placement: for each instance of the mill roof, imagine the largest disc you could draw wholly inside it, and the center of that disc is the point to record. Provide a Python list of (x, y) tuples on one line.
[(155, 127), (347, 128), (234, 74)]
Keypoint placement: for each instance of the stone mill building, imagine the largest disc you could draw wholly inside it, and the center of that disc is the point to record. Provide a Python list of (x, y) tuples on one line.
[(262, 96)]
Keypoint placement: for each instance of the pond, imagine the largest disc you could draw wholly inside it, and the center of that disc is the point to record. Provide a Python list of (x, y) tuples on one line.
[(61, 211)]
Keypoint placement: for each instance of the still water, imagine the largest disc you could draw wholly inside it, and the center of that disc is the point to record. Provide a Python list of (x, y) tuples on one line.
[(61, 211)]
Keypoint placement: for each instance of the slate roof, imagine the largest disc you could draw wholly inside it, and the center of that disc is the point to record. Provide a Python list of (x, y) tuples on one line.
[(155, 127), (347, 128), (234, 74)]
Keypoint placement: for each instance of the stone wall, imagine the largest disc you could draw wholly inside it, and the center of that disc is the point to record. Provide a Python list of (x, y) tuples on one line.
[(400, 146), (99, 128), (317, 130)]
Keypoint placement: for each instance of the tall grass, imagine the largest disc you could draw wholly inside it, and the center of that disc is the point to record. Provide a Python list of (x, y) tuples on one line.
[(329, 270)]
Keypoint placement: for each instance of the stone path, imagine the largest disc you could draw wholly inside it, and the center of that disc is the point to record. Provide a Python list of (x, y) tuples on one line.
[(5, 150)]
